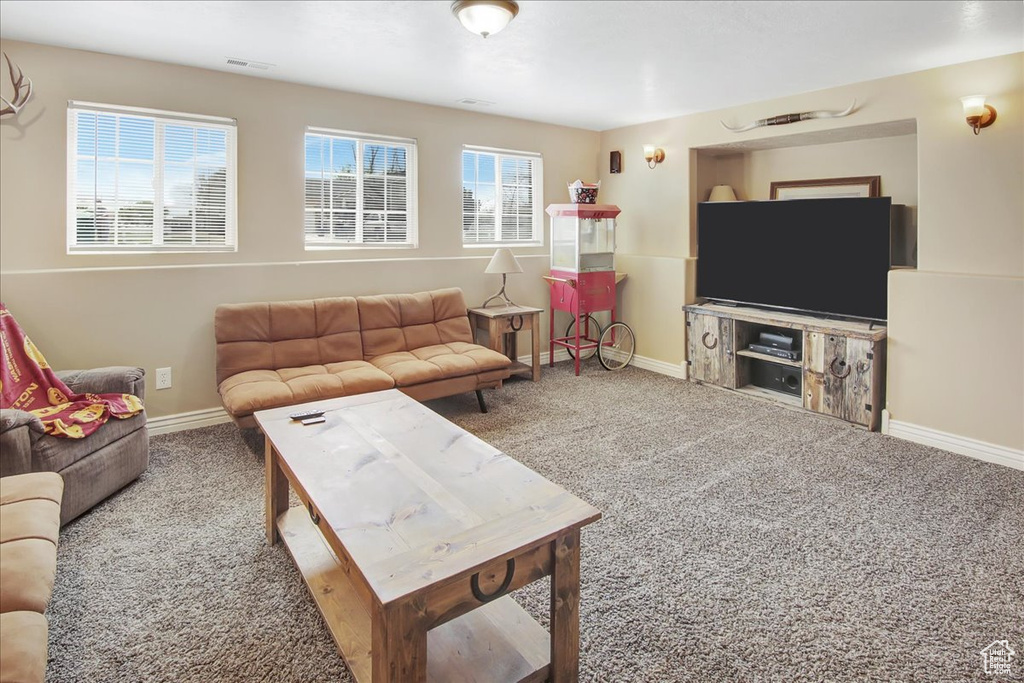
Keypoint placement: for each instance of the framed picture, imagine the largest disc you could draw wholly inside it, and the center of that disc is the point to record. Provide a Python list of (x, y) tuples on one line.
[(864, 186)]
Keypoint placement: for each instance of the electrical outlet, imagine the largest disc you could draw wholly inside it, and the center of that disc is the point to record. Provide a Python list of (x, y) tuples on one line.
[(163, 378)]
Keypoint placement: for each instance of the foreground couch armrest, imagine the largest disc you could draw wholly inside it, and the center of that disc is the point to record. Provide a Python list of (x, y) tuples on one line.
[(18, 431), (112, 380), (23, 649), (30, 506)]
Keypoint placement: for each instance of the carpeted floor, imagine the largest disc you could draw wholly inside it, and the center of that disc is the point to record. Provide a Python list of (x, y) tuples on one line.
[(741, 541)]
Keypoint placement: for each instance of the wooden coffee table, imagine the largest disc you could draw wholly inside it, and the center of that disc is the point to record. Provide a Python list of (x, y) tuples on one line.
[(411, 534)]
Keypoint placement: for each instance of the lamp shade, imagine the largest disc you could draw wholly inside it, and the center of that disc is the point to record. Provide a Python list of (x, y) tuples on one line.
[(503, 261), (722, 193), (974, 105)]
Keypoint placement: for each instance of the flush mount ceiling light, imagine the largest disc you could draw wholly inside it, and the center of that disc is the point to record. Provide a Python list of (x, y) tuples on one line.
[(485, 17)]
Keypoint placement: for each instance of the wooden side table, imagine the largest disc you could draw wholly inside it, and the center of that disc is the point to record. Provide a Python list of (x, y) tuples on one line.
[(502, 323)]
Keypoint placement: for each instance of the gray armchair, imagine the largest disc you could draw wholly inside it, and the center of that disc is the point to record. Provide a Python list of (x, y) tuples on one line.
[(94, 467)]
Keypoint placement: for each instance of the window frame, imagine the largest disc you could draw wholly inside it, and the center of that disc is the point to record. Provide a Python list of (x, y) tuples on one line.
[(161, 119), (537, 162), (411, 146)]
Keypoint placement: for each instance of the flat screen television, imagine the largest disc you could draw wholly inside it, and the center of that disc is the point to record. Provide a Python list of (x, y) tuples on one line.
[(826, 256)]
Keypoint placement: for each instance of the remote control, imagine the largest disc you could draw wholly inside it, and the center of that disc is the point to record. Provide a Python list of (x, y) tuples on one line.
[(306, 414), (314, 420)]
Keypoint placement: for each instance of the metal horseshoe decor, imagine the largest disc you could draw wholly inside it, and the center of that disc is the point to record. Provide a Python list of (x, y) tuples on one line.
[(844, 370), (474, 583)]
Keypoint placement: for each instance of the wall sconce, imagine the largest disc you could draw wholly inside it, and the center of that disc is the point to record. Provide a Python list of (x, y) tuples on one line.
[(653, 155), (979, 115)]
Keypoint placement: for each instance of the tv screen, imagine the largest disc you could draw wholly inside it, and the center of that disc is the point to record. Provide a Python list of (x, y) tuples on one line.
[(826, 256)]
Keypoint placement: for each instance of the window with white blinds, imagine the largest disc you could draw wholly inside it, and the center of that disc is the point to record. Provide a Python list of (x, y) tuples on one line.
[(501, 197), (146, 180), (360, 190)]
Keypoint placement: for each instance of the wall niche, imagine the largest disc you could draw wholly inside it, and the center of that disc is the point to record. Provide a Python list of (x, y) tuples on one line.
[(885, 149)]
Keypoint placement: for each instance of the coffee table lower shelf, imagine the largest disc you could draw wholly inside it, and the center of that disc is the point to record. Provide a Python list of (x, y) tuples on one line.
[(496, 642)]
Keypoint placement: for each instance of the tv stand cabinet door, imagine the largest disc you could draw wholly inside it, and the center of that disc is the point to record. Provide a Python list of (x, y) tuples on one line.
[(839, 377), (711, 349)]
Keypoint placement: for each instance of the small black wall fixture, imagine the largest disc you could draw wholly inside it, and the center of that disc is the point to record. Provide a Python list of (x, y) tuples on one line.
[(615, 162)]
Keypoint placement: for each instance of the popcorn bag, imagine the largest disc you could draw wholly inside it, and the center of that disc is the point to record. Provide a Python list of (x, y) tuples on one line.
[(583, 193)]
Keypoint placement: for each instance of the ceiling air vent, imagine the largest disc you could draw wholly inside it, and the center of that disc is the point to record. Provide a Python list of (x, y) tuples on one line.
[(469, 101), (248, 64)]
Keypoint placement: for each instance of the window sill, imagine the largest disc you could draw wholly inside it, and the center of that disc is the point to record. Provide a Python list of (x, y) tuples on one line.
[(108, 251), (497, 245), (359, 247)]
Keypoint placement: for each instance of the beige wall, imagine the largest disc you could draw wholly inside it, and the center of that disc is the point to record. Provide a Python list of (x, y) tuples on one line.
[(894, 159), (956, 354), (157, 310), (970, 228), (751, 173), (164, 318)]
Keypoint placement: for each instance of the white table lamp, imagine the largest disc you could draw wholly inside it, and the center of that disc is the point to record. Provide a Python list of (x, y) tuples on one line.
[(504, 262), (722, 193)]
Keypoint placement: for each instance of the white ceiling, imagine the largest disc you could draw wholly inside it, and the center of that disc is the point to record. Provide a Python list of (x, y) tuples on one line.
[(595, 65)]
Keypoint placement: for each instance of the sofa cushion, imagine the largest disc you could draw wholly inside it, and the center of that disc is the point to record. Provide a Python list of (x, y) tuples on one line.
[(381, 321), (23, 655), (286, 334), (38, 485), (403, 322), (456, 385), (438, 362), (253, 390), (52, 454), (27, 567), (30, 519)]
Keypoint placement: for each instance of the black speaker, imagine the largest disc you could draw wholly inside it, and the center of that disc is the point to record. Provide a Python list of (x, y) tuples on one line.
[(616, 162), (776, 340), (776, 377)]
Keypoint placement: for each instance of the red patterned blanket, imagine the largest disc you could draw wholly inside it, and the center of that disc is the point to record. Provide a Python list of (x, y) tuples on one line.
[(27, 383)]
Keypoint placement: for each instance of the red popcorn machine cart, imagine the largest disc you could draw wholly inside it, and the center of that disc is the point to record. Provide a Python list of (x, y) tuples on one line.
[(583, 282)]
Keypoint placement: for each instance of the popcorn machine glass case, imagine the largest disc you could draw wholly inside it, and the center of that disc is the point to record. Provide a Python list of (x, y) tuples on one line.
[(582, 237), (583, 257)]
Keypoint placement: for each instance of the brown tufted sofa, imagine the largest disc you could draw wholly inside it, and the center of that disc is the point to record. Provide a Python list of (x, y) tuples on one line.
[(289, 352), (29, 523)]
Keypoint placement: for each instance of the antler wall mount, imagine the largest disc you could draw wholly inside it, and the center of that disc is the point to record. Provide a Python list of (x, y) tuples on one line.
[(783, 119), (22, 86)]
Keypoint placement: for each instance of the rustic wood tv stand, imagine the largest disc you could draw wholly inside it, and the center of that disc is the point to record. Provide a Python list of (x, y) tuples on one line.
[(841, 366)]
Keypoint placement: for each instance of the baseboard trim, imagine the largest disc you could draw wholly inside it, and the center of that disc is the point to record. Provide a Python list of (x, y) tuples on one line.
[(195, 419), (981, 450), (560, 355), (181, 422), (642, 362), (659, 366)]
